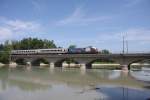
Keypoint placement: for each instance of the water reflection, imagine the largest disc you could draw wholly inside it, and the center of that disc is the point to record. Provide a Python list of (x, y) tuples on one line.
[(35, 83), (123, 93), (142, 75)]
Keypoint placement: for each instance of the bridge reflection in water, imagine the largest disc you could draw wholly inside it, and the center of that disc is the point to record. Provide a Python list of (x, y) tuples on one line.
[(72, 84)]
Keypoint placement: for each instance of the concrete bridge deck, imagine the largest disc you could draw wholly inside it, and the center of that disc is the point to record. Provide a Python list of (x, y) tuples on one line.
[(84, 59)]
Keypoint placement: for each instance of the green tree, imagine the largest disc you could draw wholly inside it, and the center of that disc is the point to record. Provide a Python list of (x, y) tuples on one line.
[(5, 53), (33, 43), (1, 47), (105, 51), (26, 43), (72, 46)]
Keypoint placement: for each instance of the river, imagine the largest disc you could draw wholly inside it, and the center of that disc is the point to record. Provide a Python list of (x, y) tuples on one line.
[(34, 83)]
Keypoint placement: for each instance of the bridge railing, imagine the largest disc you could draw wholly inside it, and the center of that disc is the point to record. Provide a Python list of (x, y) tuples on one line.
[(131, 52)]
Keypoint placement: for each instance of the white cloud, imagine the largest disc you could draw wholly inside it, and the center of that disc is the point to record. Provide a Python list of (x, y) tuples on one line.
[(5, 33), (131, 3), (9, 28), (74, 17), (22, 25), (138, 34), (133, 34), (38, 5), (80, 18)]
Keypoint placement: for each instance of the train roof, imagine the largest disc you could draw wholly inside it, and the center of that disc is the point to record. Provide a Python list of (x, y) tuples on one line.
[(40, 49)]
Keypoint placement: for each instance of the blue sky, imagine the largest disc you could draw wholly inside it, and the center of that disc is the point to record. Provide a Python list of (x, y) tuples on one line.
[(100, 23)]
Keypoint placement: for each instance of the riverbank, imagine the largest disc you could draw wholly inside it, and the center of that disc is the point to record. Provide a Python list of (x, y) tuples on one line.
[(96, 66), (1, 64), (106, 66)]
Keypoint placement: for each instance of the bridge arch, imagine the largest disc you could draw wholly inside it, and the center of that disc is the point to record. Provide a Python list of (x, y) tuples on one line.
[(36, 62), (99, 60), (21, 61), (137, 61), (59, 63)]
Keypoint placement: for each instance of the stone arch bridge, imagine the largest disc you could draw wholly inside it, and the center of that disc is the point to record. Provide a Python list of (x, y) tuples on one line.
[(125, 60)]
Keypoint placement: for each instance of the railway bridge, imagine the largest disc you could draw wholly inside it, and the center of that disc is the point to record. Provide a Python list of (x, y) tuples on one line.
[(85, 60)]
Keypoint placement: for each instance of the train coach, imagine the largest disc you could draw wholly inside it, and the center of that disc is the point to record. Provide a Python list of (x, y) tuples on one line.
[(87, 50), (41, 51)]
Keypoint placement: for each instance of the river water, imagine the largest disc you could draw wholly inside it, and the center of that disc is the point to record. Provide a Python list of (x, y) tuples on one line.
[(34, 83)]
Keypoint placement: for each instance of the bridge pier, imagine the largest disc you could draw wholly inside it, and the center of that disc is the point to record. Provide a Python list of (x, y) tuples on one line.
[(82, 66), (52, 65), (124, 67), (28, 68), (28, 63), (12, 64)]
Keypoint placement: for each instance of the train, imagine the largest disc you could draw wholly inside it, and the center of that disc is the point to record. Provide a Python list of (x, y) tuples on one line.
[(86, 50), (83, 50)]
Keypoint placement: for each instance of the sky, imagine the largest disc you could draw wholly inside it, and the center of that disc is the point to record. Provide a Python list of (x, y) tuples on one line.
[(98, 23)]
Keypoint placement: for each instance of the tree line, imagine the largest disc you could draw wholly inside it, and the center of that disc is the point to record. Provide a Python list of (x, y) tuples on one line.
[(26, 43)]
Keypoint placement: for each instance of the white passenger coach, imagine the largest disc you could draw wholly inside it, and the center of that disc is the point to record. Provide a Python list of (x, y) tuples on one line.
[(41, 51)]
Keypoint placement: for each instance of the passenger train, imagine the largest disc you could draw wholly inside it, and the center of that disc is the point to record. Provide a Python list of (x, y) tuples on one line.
[(88, 50)]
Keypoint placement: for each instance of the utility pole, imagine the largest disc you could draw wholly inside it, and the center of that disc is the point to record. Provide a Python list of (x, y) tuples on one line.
[(127, 45), (123, 45)]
